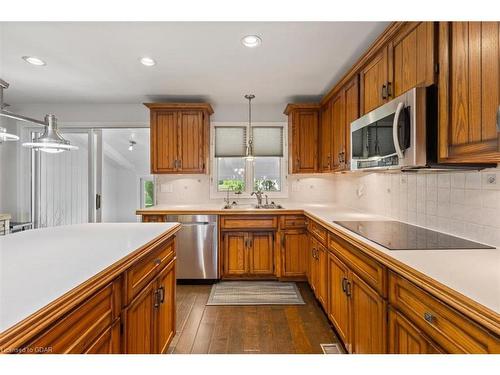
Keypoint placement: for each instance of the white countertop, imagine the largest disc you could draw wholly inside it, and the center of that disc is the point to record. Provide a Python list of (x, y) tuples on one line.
[(38, 266), (473, 273)]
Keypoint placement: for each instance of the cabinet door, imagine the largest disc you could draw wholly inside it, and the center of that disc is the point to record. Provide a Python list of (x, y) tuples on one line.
[(322, 276), (164, 151), (191, 142), (469, 91), (338, 301), (261, 253), (338, 125), (326, 138), (351, 91), (313, 264), (139, 322), (235, 253), (405, 338), (165, 312), (368, 318), (295, 246), (305, 139), (373, 82), (412, 52)]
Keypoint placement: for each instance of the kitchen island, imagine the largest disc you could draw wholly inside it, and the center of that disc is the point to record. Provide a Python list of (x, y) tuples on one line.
[(86, 288)]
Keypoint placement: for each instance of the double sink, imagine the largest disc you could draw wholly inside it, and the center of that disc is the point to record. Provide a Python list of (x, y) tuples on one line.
[(270, 206)]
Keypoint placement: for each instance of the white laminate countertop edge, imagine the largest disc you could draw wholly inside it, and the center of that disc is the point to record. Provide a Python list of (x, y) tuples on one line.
[(473, 273), (38, 266)]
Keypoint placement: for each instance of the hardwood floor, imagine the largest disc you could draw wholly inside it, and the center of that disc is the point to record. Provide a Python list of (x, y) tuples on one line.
[(290, 329)]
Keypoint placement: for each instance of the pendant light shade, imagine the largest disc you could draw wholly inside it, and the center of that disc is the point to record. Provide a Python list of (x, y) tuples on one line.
[(249, 149), (51, 140), (5, 137)]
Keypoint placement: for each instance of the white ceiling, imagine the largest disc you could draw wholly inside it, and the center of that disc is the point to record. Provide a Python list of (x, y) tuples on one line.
[(98, 62)]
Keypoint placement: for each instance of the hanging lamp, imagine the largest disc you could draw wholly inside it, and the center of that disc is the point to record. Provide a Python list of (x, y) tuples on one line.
[(50, 140), (249, 148)]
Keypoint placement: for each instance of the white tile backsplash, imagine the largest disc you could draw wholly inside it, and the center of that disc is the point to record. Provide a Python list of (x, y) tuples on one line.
[(466, 204)]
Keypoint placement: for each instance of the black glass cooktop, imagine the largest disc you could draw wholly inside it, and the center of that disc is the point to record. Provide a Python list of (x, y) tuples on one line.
[(395, 235)]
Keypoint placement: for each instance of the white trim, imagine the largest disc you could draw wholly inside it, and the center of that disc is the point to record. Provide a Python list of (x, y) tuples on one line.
[(215, 194)]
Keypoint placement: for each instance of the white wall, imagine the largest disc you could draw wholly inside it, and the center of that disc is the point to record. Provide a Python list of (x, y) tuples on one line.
[(460, 203)]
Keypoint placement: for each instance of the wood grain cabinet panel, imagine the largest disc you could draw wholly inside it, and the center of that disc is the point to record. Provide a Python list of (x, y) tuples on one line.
[(179, 137), (322, 276), (79, 329), (338, 301), (293, 222), (368, 318), (338, 131), (235, 253), (295, 246), (326, 138), (303, 137), (448, 328), (412, 53), (469, 92), (373, 78), (248, 222), (261, 253), (405, 338), (108, 342), (351, 93), (165, 317)]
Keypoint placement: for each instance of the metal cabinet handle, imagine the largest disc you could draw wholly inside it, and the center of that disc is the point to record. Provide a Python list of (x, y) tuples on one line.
[(161, 291), (348, 290), (384, 91), (344, 281), (389, 89), (157, 261), (157, 301), (498, 119), (429, 317)]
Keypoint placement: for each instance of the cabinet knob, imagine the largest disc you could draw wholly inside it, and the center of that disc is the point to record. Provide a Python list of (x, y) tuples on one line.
[(429, 317), (157, 261)]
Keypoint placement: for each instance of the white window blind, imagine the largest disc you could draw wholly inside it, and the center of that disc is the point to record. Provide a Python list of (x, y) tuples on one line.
[(230, 141), (267, 140)]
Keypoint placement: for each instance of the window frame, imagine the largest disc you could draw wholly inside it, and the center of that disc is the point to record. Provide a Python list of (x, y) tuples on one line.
[(249, 169)]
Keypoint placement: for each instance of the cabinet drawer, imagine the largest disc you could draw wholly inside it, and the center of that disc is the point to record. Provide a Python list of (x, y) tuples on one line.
[(451, 330), (77, 331), (293, 222), (248, 222), (142, 272), (319, 232), (371, 271)]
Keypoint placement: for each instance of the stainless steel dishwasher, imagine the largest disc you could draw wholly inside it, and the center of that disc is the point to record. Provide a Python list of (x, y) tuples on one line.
[(196, 246)]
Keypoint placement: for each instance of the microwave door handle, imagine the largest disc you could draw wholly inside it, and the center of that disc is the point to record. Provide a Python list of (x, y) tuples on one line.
[(395, 134)]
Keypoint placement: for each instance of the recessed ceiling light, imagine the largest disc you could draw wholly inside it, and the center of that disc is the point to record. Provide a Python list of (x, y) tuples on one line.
[(148, 61), (34, 60), (251, 41)]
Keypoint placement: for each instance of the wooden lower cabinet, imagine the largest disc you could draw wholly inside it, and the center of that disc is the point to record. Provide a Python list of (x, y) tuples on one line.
[(108, 342), (319, 271), (248, 254), (294, 248), (149, 320), (368, 318), (406, 338), (338, 301)]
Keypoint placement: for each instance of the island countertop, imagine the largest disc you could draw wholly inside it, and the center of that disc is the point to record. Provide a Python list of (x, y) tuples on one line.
[(38, 266)]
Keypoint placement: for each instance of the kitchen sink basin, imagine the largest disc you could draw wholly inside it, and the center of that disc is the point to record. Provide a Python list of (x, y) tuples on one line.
[(271, 206)]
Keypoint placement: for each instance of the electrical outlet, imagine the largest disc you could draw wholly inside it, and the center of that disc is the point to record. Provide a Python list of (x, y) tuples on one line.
[(491, 179)]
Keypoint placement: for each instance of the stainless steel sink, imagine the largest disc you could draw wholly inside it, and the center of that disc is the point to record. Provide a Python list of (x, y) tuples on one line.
[(271, 206)]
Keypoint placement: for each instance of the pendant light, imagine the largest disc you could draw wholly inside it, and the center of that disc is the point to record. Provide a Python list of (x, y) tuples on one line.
[(249, 148), (50, 141)]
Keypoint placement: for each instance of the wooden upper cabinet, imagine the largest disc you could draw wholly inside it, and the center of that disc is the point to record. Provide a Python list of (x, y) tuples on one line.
[(469, 92), (412, 58), (303, 137), (326, 138), (373, 78), (351, 92), (179, 137), (338, 130)]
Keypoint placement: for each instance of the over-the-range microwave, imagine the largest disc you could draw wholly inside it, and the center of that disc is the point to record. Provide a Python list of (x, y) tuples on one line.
[(401, 135)]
